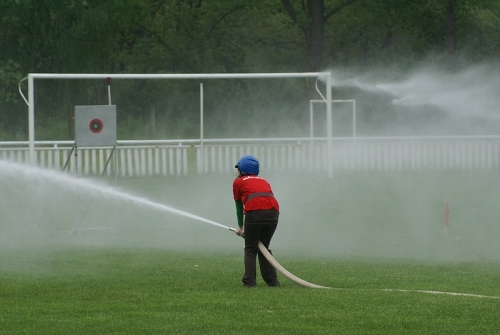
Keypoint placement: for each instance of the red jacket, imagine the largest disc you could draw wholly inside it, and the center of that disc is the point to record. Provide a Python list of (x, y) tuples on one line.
[(246, 185)]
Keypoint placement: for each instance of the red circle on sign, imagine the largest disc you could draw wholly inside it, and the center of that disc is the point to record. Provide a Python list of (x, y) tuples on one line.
[(96, 126)]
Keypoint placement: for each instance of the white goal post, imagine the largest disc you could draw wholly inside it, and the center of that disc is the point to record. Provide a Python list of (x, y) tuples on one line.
[(324, 76)]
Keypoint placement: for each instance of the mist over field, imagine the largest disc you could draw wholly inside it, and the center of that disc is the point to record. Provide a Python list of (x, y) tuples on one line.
[(360, 214), (354, 215)]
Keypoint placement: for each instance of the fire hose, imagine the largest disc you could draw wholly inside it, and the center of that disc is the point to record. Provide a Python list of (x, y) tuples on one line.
[(282, 270)]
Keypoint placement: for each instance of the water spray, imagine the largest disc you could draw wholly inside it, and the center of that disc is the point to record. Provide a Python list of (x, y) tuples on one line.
[(262, 248), (84, 184), (32, 174)]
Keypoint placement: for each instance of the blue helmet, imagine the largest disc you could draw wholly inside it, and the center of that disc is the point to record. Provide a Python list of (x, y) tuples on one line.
[(248, 165)]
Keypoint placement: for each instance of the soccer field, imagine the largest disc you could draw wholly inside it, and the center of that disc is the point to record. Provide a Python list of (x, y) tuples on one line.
[(96, 290), (79, 260)]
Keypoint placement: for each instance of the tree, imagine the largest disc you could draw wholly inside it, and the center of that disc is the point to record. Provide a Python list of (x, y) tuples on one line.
[(310, 17), (192, 36), (10, 102), (450, 41)]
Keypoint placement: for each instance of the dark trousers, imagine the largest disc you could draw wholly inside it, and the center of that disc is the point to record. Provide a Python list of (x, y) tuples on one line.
[(259, 226)]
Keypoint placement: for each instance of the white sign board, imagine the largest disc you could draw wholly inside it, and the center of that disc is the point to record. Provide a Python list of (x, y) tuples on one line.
[(95, 125)]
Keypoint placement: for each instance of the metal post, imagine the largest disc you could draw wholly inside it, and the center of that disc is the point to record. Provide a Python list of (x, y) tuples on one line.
[(311, 119), (115, 158), (354, 118), (31, 120), (202, 157), (329, 131), (108, 81)]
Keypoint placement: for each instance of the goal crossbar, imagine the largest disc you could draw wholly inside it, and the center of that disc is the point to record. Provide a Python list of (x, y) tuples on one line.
[(325, 76)]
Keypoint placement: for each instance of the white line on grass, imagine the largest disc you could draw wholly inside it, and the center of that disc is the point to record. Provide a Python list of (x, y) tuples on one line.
[(444, 293), (421, 291)]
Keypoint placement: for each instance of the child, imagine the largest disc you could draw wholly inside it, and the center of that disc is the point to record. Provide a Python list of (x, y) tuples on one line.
[(258, 209)]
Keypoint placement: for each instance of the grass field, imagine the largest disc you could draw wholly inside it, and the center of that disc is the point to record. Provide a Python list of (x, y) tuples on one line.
[(82, 290), (378, 240)]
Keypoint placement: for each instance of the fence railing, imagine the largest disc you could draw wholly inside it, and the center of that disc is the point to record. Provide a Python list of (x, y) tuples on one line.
[(183, 157)]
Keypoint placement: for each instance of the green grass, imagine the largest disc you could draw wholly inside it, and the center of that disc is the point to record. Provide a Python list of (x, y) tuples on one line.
[(157, 273), (83, 290)]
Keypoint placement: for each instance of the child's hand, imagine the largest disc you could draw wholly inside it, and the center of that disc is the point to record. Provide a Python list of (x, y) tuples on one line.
[(239, 231)]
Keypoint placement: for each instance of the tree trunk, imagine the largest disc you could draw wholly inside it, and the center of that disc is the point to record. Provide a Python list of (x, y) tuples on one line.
[(312, 30), (313, 27), (450, 42), (314, 35)]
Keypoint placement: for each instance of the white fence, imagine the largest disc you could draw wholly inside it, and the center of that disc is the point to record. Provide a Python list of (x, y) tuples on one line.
[(183, 157)]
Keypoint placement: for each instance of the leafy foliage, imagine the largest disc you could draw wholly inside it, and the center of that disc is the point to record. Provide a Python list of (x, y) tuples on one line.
[(187, 36)]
